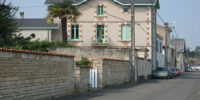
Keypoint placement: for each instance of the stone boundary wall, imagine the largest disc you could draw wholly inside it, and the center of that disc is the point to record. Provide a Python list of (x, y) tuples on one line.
[(115, 72), (29, 75), (82, 79), (95, 55)]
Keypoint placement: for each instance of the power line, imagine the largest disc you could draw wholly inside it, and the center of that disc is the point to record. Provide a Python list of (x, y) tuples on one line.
[(158, 14), (142, 28), (160, 17)]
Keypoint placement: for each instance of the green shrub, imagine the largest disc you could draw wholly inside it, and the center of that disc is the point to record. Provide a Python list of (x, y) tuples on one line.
[(83, 61)]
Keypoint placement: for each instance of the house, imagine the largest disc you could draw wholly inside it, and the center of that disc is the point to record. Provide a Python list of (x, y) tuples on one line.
[(160, 58), (107, 23), (42, 30), (165, 32), (180, 48)]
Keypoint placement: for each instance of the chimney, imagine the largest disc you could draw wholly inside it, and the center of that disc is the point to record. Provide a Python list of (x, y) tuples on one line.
[(22, 15)]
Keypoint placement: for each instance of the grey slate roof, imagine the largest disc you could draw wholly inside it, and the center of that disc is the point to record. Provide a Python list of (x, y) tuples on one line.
[(54, 1), (125, 2), (40, 23), (180, 45), (138, 1)]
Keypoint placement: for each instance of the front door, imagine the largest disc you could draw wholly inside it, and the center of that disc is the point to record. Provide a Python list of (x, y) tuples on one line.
[(100, 34)]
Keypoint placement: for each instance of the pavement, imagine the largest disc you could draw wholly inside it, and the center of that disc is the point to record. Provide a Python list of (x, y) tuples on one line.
[(185, 87)]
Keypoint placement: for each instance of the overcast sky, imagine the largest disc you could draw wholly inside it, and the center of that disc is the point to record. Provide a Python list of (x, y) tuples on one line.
[(186, 14)]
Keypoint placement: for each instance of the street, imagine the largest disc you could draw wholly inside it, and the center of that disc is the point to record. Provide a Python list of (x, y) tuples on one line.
[(185, 87)]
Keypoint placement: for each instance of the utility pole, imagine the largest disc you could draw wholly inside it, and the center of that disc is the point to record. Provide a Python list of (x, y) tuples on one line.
[(132, 54), (166, 44)]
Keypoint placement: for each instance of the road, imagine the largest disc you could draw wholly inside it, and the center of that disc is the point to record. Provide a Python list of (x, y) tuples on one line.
[(185, 87)]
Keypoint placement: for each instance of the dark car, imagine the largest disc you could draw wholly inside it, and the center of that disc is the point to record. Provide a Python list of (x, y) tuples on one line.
[(162, 72), (175, 72), (171, 73)]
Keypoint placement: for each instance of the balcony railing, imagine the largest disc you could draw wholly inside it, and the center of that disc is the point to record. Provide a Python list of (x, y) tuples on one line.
[(100, 42)]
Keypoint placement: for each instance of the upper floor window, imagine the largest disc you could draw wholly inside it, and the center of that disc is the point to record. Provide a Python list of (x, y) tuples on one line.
[(126, 32), (100, 10), (74, 32)]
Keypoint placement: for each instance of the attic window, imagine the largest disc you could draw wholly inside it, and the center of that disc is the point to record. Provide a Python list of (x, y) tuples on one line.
[(126, 10)]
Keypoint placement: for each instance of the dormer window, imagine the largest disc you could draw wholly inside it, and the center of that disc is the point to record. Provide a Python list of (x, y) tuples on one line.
[(100, 10)]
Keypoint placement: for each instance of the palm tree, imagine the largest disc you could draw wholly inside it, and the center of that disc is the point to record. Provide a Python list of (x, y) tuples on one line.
[(65, 11)]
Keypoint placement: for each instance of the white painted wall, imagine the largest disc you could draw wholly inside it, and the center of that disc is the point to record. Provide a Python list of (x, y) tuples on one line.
[(159, 54)]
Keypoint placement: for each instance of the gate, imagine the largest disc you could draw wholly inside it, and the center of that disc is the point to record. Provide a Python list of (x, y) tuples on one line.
[(93, 78)]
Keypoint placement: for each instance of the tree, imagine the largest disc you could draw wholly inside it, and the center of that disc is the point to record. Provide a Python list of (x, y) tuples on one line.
[(8, 24), (197, 51), (191, 61), (65, 11)]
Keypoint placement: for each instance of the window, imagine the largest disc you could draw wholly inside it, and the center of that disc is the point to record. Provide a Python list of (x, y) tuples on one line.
[(100, 10), (125, 10), (157, 63), (74, 32), (160, 47), (100, 33), (157, 48), (126, 32)]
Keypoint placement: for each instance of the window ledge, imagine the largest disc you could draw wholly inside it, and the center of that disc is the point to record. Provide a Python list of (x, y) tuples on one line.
[(104, 16), (75, 40), (125, 41)]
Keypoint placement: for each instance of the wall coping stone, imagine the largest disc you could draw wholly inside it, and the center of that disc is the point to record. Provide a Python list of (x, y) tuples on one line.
[(35, 52), (115, 59)]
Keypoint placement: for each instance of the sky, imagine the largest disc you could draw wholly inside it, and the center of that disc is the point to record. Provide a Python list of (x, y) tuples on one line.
[(186, 14)]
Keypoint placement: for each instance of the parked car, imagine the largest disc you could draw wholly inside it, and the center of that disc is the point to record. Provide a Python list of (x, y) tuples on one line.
[(189, 70), (174, 72), (162, 72), (177, 71), (171, 74)]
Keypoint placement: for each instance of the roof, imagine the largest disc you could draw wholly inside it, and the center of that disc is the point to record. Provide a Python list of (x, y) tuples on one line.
[(36, 24), (180, 45), (121, 2)]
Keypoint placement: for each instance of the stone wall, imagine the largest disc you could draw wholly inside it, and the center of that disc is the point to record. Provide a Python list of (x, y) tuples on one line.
[(82, 79), (95, 55), (27, 75), (115, 72)]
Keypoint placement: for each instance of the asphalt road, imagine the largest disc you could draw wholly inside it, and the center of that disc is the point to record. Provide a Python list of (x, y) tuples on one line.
[(185, 87)]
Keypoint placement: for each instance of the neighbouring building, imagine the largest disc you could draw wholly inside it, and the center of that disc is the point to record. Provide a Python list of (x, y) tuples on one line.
[(180, 48), (160, 60), (43, 31), (165, 33), (107, 23)]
